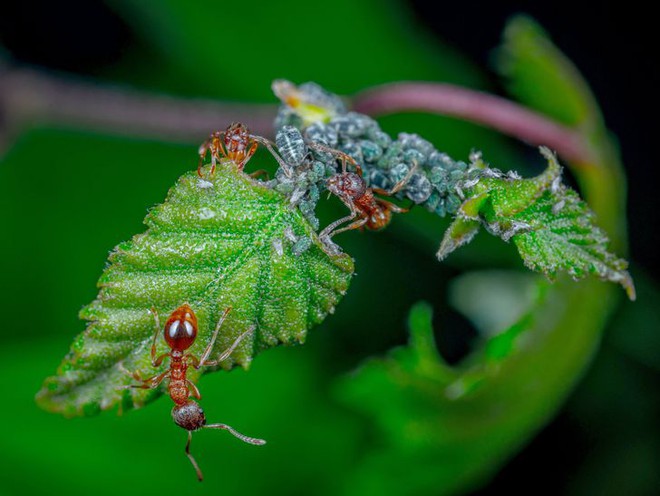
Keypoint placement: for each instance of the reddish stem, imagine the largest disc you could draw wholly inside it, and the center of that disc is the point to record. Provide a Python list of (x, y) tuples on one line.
[(474, 106), (30, 96)]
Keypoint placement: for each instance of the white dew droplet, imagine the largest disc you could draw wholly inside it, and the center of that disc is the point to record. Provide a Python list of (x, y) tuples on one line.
[(206, 213)]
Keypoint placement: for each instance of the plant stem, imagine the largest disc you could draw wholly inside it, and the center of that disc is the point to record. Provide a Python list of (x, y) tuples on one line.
[(478, 107), (30, 97)]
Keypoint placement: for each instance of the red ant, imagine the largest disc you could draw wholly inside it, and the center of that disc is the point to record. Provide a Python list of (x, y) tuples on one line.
[(234, 143), (180, 333), (373, 212)]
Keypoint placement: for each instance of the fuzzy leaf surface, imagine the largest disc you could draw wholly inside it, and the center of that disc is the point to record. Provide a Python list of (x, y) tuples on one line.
[(552, 227), (225, 242)]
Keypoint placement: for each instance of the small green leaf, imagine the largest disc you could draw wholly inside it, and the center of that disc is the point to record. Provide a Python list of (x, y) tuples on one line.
[(553, 229), (225, 242)]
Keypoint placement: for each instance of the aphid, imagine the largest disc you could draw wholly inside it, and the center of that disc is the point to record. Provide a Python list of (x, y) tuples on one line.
[(234, 143), (291, 145), (297, 162), (372, 212), (180, 332)]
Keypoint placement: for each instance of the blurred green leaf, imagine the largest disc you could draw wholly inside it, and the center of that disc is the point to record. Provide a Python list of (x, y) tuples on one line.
[(540, 75), (225, 52), (445, 430), (634, 330), (493, 300), (227, 242)]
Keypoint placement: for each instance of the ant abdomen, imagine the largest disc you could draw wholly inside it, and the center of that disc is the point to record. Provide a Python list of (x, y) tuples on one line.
[(190, 416)]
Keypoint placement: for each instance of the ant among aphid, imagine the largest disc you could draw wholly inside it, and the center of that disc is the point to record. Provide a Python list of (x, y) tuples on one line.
[(234, 143), (373, 212), (180, 332)]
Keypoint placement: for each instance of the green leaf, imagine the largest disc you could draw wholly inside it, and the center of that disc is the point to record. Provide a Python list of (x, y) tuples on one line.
[(539, 74), (225, 242), (446, 430), (553, 229)]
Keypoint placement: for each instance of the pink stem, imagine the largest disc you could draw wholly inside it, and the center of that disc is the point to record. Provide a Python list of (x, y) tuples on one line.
[(474, 106), (34, 97)]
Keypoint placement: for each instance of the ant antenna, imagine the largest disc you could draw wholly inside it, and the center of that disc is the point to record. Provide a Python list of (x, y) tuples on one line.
[(242, 437)]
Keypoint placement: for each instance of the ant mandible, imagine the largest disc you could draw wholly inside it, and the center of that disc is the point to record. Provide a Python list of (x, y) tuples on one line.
[(373, 212), (234, 143), (180, 332)]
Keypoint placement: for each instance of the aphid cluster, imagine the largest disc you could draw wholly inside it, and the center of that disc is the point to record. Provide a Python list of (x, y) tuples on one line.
[(434, 180), (180, 332), (315, 139), (304, 167)]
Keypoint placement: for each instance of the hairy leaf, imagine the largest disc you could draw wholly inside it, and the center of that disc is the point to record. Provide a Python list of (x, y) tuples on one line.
[(553, 229), (225, 242)]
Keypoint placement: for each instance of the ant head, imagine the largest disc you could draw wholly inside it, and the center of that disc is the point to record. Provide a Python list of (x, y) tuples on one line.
[(190, 416), (347, 185), (181, 328), (236, 135)]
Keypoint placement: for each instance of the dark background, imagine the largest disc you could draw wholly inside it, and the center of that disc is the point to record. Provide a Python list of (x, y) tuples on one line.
[(614, 46)]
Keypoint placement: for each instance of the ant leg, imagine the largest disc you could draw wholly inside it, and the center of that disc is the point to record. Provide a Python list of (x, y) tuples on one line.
[(194, 390), (242, 437), (156, 361), (398, 186), (192, 459), (203, 150), (269, 145), (135, 375), (148, 383), (225, 354), (260, 172), (326, 232), (211, 144), (214, 158), (248, 156), (392, 207), (344, 157), (353, 225), (208, 349)]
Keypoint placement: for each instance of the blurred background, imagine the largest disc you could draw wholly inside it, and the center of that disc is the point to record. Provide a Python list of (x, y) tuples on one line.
[(70, 191)]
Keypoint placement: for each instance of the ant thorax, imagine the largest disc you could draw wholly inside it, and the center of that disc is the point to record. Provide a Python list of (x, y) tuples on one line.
[(347, 185), (236, 137)]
